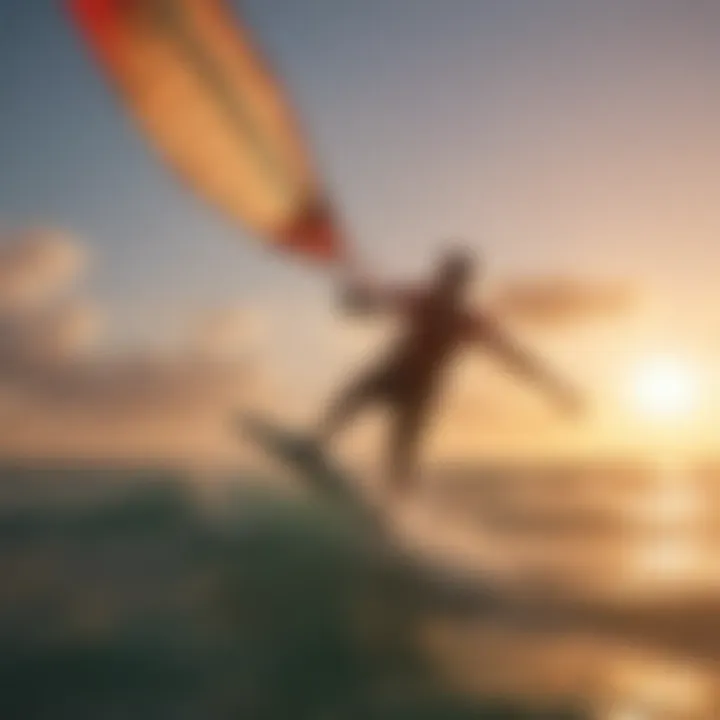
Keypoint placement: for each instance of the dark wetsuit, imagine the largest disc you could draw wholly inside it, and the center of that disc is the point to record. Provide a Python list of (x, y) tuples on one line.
[(407, 379)]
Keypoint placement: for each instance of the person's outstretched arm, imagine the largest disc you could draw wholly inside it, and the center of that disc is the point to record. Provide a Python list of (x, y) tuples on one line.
[(364, 296), (521, 362)]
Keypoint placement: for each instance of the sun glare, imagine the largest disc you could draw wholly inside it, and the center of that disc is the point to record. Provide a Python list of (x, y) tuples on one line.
[(664, 388)]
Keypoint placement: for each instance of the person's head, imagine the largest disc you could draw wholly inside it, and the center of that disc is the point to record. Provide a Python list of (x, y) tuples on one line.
[(457, 268)]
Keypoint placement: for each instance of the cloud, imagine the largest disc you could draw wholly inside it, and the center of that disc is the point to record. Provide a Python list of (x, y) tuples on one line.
[(227, 334), (47, 336), (553, 302), (35, 266), (60, 398), (134, 408)]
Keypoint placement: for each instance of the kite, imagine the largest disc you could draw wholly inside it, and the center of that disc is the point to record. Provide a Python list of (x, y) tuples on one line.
[(190, 73)]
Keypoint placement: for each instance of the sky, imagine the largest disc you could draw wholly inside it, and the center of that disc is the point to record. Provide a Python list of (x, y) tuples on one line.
[(569, 138)]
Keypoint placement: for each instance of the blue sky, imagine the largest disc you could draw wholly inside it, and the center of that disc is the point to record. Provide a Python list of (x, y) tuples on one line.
[(558, 135)]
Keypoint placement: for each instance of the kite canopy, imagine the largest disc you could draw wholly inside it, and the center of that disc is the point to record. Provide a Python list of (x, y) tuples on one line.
[(188, 71)]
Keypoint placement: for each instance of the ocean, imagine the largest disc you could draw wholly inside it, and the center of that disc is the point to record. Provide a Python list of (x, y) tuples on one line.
[(133, 592)]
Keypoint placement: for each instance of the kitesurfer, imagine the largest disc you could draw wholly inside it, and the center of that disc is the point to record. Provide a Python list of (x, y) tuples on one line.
[(437, 323)]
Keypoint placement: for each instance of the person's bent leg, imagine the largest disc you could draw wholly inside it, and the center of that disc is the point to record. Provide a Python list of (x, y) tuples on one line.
[(404, 445), (353, 398)]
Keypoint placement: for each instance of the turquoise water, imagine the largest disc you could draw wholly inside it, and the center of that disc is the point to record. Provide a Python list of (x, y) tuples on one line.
[(150, 594)]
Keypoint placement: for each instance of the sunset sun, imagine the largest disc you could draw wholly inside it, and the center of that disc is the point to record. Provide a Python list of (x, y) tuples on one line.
[(664, 388)]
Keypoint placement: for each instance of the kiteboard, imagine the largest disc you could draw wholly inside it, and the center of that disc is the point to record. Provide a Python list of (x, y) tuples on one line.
[(308, 460)]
